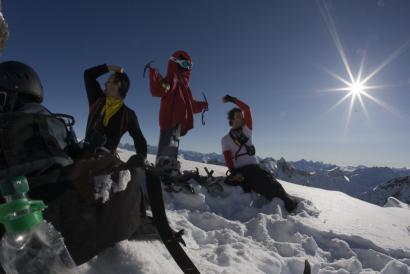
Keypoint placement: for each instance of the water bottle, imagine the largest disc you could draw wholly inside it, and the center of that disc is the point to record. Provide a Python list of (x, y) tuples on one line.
[(30, 245)]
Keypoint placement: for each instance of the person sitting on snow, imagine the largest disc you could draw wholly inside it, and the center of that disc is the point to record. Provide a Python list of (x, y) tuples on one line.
[(109, 118), (239, 154), (36, 143), (178, 107)]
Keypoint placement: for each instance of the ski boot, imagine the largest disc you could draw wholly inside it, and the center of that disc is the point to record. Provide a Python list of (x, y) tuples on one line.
[(171, 176)]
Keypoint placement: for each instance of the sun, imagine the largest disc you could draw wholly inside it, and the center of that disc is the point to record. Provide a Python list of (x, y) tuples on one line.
[(357, 88)]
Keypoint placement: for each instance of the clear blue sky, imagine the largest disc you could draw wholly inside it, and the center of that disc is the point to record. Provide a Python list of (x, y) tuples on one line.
[(269, 53)]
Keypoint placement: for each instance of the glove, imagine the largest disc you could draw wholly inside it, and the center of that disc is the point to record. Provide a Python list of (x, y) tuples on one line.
[(228, 98), (136, 160)]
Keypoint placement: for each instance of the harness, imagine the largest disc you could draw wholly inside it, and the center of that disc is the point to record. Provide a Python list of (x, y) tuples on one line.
[(240, 140)]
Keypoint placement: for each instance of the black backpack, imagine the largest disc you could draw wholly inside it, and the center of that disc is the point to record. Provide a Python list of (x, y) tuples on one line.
[(31, 143)]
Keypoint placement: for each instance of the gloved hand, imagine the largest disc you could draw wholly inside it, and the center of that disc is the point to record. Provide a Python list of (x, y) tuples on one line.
[(228, 98), (136, 160)]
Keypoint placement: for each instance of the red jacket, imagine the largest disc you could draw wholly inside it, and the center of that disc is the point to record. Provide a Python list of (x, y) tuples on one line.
[(177, 103)]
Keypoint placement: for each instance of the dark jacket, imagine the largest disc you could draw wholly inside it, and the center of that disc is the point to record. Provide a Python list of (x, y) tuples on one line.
[(123, 121)]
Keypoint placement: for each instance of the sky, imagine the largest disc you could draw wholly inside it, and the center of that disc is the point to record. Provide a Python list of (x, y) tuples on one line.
[(274, 55)]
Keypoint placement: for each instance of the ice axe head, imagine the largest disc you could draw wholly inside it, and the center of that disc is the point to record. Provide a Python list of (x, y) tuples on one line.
[(147, 66)]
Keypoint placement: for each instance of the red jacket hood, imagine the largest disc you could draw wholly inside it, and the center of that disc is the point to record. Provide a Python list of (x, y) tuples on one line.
[(174, 71)]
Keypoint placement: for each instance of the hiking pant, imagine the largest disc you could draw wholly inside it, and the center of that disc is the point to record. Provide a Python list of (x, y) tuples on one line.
[(168, 148), (262, 182)]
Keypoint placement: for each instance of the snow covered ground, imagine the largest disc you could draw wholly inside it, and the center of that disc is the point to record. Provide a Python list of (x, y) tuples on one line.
[(243, 233)]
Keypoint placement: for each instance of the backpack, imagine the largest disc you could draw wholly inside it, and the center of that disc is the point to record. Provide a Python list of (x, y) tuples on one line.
[(31, 143)]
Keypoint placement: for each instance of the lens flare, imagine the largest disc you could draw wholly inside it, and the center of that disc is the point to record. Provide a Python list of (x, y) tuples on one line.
[(356, 87)]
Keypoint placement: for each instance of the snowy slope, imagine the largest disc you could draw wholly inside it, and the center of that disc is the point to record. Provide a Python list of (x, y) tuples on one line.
[(242, 233)]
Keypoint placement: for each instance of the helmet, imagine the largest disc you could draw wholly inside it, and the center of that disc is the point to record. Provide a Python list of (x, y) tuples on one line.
[(16, 77)]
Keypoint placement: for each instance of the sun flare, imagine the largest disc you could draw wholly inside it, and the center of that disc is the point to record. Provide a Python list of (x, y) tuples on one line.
[(357, 88), (355, 85)]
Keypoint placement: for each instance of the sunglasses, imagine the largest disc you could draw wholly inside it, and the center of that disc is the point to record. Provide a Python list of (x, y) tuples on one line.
[(185, 64)]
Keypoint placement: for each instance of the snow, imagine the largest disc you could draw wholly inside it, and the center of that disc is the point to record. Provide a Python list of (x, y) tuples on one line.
[(244, 233), (105, 186), (393, 202)]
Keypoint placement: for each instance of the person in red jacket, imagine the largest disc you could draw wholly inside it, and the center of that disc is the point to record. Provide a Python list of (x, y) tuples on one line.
[(178, 106), (239, 154)]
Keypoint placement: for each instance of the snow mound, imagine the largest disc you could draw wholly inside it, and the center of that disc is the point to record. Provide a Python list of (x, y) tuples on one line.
[(244, 233), (393, 202)]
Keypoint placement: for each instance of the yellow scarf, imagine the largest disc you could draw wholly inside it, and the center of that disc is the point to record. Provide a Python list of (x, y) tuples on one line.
[(112, 105)]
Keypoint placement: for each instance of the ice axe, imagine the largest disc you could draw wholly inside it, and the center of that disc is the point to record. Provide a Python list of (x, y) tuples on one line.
[(205, 109), (147, 66)]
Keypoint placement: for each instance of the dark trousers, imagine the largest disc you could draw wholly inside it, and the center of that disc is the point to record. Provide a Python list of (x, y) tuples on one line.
[(262, 182), (168, 144), (89, 227)]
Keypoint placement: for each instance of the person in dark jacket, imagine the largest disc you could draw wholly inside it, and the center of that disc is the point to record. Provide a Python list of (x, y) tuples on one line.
[(109, 118), (239, 153), (34, 143), (178, 106)]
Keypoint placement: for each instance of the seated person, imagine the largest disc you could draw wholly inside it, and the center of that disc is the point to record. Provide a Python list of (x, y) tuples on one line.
[(239, 154), (109, 118)]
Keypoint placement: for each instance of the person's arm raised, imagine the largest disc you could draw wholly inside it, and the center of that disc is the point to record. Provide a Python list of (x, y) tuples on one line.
[(93, 88), (243, 106), (158, 86)]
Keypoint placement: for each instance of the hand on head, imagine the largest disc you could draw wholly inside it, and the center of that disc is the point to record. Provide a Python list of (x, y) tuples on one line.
[(114, 68)]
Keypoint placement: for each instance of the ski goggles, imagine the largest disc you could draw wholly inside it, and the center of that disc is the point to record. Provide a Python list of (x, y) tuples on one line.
[(185, 64)]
